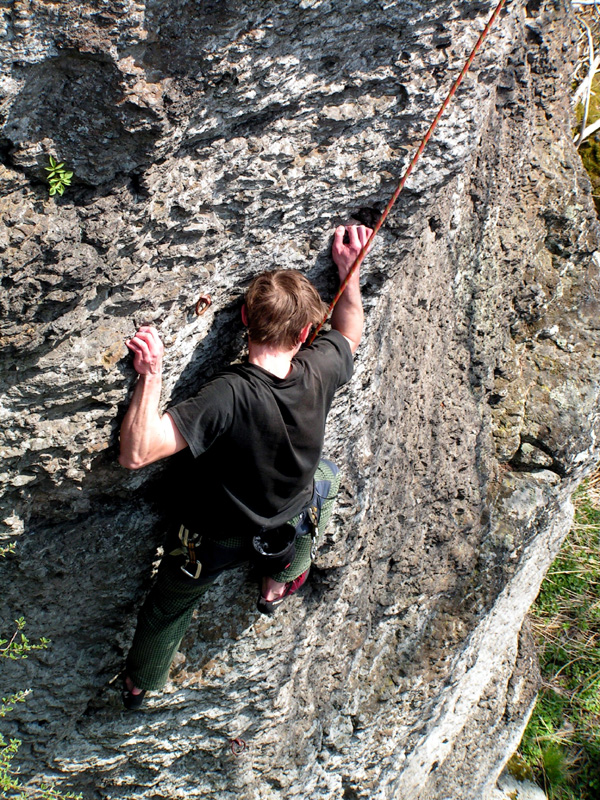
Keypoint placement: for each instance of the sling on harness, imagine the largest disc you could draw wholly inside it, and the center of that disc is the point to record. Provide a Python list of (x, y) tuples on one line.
[(192, 567)]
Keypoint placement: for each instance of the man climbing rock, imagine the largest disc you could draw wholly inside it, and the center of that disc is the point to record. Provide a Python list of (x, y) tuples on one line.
[(260, 489)]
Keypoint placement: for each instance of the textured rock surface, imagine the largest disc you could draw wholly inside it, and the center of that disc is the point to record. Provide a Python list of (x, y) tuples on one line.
[(525, 790), (211, 141)]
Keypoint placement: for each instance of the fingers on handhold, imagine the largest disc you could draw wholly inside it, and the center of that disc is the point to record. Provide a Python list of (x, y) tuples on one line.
[(142, 348), (143, 339), (363, 234), (135, 349), (150, 337), (353, 235), (338, 238), (149, 334)]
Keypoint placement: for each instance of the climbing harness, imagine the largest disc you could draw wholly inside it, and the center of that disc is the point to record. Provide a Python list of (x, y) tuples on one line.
[(415, 158)]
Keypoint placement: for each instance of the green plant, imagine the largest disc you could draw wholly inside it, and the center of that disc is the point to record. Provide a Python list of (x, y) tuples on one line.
[(18, 645), (16, 648), (519, 768), (58, 177), (562, 741)]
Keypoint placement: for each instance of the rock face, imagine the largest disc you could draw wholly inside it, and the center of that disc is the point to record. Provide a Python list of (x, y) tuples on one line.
[(211, 141)]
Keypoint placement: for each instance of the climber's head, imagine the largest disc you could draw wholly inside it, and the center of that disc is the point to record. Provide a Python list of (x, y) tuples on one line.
[(280, 307)]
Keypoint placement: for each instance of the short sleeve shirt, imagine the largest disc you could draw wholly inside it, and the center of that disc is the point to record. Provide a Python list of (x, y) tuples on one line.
[(256, 438)]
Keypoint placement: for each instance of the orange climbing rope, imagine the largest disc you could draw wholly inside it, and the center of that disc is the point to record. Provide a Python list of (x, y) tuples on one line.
[(415, 158)]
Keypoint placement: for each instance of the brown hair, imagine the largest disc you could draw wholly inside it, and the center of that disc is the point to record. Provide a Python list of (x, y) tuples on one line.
[(279, 304)]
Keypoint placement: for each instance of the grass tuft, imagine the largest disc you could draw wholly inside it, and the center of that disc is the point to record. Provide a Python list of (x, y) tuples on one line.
[(561, 744)]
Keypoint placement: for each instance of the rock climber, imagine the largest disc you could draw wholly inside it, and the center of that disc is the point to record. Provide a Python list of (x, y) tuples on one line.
[(261, 492)]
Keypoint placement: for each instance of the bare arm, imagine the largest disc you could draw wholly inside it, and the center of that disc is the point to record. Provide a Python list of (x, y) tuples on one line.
[(348, 317), (145, 435)]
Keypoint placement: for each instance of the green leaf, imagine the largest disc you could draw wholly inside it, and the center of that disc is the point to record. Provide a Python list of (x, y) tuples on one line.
[(52, 190), (60, 189), (52, 162), (67, 176)]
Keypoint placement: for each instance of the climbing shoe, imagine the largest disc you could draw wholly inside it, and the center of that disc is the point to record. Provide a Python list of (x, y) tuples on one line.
[(270, 606), (131, 701)]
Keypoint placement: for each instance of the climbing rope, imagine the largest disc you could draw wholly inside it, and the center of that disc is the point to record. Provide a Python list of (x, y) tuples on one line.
[(415, 158)]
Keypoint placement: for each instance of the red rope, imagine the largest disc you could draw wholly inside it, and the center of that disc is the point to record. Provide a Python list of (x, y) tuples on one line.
[(415, 158)]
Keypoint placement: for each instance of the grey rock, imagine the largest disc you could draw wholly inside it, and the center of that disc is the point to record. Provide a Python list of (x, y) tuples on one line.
[(513, 789), (212, 141)]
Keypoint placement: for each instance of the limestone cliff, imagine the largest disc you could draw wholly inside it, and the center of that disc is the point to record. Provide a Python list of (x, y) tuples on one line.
[(212, 140)]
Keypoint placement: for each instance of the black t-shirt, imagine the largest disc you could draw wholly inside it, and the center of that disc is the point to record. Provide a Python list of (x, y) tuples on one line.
[(257, 439)]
